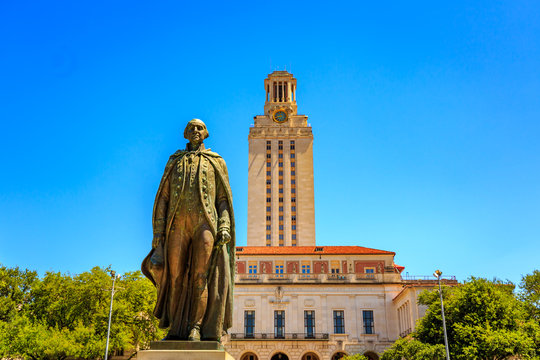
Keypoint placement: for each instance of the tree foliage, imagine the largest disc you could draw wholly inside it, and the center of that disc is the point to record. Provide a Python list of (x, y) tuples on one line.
[(61, 315), (485, 320)]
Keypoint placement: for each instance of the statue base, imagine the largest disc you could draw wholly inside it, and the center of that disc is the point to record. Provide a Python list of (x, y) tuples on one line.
[(184, 350)]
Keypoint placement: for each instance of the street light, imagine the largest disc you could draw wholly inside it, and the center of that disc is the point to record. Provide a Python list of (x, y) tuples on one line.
[(438, 274), (114, 276)]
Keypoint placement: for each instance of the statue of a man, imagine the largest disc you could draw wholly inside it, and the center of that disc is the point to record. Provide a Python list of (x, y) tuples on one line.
[(192, 258)]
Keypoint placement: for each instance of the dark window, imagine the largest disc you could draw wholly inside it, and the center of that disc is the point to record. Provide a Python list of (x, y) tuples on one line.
[(281, 237), (293, 208), (339, 322), (267, 164), (268, 191), (293, 191), (281, 208), (280, 227), (268, 237), (268, 182), (268, 199), (280, 164), (268, 218), (280, 199), (294, 236), (268, 173), (294, 227), (268, 156), (368, 321), (293, 199), (268, 227), (280, 156), (309, 323), (293, 218), (280, 147), (293, 181), (249, 323), (293, 173), (279, 324), (268, 209), (281, 182), (280, 142), (280, 217), (281, 173), (292, 156), (281, 190), (293, 164)]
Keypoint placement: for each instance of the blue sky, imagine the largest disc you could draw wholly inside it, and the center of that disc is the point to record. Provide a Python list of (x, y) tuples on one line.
[(425, 117)]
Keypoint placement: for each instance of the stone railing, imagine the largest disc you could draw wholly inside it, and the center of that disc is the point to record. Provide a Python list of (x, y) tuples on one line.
[(283, 336), (317, 278)]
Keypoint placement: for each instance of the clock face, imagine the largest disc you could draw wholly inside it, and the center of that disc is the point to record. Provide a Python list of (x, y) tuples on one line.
[(280, 116)]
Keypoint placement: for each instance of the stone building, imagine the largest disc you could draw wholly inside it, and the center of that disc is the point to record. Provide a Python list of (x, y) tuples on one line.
[(295, 300)]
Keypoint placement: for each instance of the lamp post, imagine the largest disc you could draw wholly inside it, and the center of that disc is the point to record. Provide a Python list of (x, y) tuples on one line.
[(438, 274), (114, 276)]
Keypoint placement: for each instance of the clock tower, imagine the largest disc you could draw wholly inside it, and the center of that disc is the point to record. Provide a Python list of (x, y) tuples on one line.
[(281, 209)]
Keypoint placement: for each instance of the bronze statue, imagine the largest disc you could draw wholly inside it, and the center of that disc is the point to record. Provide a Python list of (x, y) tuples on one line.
[(193, 251)]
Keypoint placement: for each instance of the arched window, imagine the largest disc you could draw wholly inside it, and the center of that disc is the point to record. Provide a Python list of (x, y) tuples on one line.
[(310, 356), (249, 356), (338, 355), (371, 355), (280, 356)]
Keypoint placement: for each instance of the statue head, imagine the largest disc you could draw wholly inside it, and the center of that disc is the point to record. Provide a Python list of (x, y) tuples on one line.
[(196, 132)]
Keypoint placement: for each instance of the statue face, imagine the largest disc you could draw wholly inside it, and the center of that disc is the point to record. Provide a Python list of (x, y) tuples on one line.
[(195, 133)]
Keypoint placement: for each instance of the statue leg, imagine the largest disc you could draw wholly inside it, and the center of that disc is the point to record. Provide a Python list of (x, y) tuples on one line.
[(177, 253), (202, 244)]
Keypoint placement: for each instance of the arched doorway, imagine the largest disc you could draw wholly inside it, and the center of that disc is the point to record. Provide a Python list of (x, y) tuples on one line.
[(338, 355), (280, 356), (249, 356), (371, 355), (310, 356)]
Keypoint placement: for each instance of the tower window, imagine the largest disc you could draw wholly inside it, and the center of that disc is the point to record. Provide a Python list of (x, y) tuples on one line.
[(293, 164), (281, 164), (293, 191), (268, 200), (280, 156), (268, 218), (292, 155), (293, 199), (268, 164), (268, 182), (281, 199), (293, 218), (268, 191), (268, 173)]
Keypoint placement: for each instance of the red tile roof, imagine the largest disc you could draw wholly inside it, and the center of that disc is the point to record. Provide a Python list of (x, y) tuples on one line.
[(309, 250)]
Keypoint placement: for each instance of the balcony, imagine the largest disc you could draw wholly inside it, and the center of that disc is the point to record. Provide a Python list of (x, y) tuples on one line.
[(427, 279), (317, 278), (285, 336)]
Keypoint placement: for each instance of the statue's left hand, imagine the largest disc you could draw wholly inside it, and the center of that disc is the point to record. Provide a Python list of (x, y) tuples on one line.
[(223, 237)]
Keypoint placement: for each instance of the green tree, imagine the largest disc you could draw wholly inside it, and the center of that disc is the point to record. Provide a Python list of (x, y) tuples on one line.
[(484, 320), (354, 357), (15, 286), (66, 316), (530, 293)]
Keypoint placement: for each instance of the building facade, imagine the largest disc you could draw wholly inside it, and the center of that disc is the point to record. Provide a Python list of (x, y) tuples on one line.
[(295, 300)]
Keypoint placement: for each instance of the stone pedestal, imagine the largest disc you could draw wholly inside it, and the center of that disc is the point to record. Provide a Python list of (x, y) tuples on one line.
[(184, 350)]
